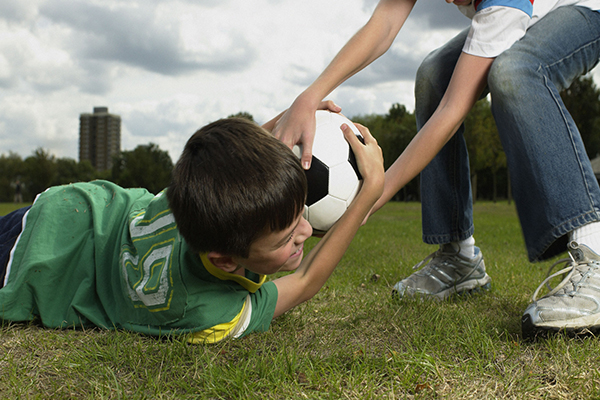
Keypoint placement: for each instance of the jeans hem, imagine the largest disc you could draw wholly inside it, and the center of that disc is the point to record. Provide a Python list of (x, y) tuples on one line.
[(449, 238), (554, 243)]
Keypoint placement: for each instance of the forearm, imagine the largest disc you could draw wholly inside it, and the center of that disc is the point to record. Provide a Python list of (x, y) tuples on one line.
[(368, 44), (337, 240), (420, 151), (465, 87)]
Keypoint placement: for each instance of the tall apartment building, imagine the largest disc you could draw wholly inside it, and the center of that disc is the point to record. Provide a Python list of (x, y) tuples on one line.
[(99, 137)]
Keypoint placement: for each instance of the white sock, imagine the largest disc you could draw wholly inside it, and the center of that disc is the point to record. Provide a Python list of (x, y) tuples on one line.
[(589, 235), (467, 247)]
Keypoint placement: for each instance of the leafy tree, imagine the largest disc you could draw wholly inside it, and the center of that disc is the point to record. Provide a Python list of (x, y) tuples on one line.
[(483, 144), (70, 171), (393, 132), (582, 99), (40, 172), (146, 166)]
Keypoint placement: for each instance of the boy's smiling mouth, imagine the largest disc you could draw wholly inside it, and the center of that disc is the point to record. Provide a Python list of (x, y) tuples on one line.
[(298, 252)]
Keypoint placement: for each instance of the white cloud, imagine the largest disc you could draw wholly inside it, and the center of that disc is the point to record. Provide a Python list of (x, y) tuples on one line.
[(146, 37), (17, 10)]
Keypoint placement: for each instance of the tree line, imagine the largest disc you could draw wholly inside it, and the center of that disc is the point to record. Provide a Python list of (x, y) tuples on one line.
[(150, 167), (146, 166)]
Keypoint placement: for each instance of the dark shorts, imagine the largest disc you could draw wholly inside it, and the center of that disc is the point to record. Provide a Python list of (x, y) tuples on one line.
[(10, 228)]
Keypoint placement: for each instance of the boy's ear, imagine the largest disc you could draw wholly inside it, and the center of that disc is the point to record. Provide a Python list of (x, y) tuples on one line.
[(223, 262)]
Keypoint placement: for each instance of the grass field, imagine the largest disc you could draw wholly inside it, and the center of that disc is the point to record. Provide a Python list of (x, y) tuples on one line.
[(5, 208), (351, 341)]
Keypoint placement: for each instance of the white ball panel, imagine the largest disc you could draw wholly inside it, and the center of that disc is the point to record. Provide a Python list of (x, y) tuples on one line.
[(339, 119), (297, 150), (305, 212), (322, 117), (353, 195), (324, 213), (342, 181), (330, 146)]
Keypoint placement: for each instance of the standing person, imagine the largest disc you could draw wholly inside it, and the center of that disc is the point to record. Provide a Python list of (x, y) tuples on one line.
[(18, 197), (523, 52)]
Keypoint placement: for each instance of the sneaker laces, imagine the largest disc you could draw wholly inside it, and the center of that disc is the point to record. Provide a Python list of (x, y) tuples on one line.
[(441, 253), (569, 270), (549, 277)]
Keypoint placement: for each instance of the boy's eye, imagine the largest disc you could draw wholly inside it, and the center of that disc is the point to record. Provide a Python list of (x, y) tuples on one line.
[(288, 239)]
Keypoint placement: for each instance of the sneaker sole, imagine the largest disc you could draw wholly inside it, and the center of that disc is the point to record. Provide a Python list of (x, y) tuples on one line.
[(465, 288), (531, 332)]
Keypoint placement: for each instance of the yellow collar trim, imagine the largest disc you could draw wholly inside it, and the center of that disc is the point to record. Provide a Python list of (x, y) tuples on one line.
[(248, 284)]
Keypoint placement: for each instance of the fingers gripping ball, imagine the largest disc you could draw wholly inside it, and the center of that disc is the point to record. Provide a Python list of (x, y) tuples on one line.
[(333, 178)]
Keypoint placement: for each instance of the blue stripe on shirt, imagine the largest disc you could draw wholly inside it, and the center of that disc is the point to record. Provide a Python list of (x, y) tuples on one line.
[(524, 5)]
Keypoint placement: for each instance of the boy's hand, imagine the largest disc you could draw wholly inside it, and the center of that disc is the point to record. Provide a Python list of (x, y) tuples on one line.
[(297, 126), (369, 158)]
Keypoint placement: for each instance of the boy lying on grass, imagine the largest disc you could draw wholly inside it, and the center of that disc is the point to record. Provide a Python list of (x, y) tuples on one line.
[(192, 259)]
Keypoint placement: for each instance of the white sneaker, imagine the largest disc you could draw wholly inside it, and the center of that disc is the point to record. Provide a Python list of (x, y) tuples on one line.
[(446, 273), (574, 305)]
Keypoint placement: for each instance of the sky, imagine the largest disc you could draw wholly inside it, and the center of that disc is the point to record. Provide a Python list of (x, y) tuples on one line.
[(168, 67)]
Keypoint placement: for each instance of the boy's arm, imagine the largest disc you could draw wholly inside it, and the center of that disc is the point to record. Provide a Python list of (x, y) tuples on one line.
[(297, 125), (465, 87), (318, 265)]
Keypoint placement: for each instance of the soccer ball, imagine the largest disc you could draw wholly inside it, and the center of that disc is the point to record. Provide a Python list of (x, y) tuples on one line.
[(333, 177)]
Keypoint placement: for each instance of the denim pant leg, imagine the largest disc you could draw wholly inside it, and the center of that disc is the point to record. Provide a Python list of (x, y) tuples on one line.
[(446, 202), (548, 207), (552, 179), (10, 229), (553, 184)]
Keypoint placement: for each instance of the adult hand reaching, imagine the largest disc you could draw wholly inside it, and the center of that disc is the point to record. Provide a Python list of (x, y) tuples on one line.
[(297, 126)]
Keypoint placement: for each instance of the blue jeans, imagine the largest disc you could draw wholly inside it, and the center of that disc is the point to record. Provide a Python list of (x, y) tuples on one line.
[(10, 229), (553, 185)]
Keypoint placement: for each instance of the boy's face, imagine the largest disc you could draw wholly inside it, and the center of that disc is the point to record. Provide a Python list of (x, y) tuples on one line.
[(278, 251)]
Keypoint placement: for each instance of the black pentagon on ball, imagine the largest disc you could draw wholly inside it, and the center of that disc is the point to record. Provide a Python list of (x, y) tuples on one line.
[(352, 159), (317, 177)]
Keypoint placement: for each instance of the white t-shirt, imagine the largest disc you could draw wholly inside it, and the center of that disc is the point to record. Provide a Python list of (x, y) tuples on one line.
[(497, 24)]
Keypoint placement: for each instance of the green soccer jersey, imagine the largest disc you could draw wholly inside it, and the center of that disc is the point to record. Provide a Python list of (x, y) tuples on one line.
[(95, 254)]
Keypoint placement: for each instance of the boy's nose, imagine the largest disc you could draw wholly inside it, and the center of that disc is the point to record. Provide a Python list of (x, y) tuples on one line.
[(305, 228)]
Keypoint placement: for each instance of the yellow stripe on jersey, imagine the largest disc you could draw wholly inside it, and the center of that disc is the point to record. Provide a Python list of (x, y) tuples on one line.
[(248, 284), (234, 328)]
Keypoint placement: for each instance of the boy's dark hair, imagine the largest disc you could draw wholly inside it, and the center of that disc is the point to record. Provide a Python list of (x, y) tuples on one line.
[(232, 183)]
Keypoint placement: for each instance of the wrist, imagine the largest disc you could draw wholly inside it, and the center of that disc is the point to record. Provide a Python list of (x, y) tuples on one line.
[(368, 194), (308, 99)]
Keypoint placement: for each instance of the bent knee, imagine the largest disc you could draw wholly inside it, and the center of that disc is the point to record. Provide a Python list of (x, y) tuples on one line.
[(512, 73), (424, 74), (432, 76)]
